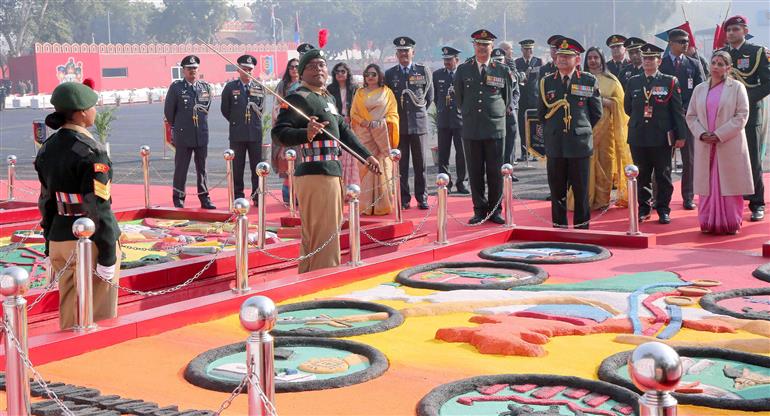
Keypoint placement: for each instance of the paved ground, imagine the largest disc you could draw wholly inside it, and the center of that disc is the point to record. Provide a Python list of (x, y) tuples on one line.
[(139, 124)]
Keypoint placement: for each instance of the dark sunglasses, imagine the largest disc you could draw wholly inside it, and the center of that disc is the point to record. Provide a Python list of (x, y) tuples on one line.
[(293, 66), (340, 71), (681, 41), (370, 74)]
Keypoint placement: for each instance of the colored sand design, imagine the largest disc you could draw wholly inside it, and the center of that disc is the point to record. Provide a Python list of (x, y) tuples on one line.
[(328, 319), (471, 275), (288, 369), (30, 257), (527, 399), (544, 253), (748, 304)]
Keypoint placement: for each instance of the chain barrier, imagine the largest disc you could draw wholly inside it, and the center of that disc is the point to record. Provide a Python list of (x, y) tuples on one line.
[(302, 257), (125, 175), (20, 244), (35, 375), (550, 223), (23, 188), (492, 212), (184, 193), (269, 405), (233, 395), (404, 239), (54, 281)]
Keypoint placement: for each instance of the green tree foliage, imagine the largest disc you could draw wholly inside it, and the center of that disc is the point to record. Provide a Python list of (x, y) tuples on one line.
[(183, 21)]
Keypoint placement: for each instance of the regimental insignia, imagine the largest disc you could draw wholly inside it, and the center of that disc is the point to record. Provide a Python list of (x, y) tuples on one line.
[(248, 60), (102, 190), (739, 20), (445, 51), (483, 34), (564, 44), (101, 168), (192, 60), (402, 42), (614, 40)]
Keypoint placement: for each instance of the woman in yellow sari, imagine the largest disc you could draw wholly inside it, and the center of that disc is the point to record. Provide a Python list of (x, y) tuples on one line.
[(611, 152), (374, 118)]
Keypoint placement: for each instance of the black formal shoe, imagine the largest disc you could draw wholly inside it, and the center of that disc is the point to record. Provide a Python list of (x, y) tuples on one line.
[(463, 190), (207, 204), (256, 202), (548, 197), (422, 205), (644, 216), (476, 219), (689, 205), (664, 218), (405, 205), (178, 204), (514, 178), (758, 214), (497, 219)]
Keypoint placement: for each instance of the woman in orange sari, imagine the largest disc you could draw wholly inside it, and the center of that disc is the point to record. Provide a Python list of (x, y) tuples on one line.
[(374, 118)]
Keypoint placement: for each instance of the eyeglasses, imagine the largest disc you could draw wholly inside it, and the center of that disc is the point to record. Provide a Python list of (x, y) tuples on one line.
[(341, 72), (316, 66), (293, 66), (370, 74), (681, 41)]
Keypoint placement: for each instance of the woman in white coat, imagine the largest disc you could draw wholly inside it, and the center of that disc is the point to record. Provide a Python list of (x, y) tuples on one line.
[(717, 114)]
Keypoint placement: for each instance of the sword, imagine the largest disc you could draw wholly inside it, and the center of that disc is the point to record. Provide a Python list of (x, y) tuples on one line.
[(288, 104)]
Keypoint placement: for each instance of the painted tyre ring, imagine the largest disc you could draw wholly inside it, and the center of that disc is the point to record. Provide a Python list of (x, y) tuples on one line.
[(394, 319), (762, 272), (195, 372), (601, 252), (608, 372), (430, 405), (538, 275), (711, 301)]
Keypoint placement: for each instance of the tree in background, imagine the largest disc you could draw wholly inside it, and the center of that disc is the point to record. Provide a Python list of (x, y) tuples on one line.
[(183, 21), (18, 23)]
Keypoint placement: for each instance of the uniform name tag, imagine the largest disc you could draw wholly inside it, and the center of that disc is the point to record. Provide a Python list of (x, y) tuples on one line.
[(330, 107), (493, 81), (236, 93), (743, 63), (441, 81), (647, 111), (690, 84), (417, 80), (659, 91), (582, 90)]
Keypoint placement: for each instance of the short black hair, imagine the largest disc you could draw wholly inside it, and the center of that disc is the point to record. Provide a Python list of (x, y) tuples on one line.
[(677, 33)]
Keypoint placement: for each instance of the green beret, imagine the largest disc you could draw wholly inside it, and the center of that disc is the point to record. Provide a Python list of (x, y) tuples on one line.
[(71, 96), (309, 56)]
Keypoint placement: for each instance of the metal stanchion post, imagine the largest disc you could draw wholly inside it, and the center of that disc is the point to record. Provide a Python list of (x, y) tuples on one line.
[(258, 316), (632, 172), (144, 152), (507, 171), (395, 157), (291, 157), (655, 369), (14, 283), (11, 176), (354, 225), (263, 169), (241, 207), (229, 155), (83, 228), (442, 180)]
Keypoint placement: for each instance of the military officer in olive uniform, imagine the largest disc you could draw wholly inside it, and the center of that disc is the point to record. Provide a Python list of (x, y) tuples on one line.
[(528, 67), (187, 110), (413, 88), (634, 67), (75, 176), (618, 54), (449, 119), (751, 66), (483, 91), (243, 102), (569, 107), (653, 101), (550, 67)]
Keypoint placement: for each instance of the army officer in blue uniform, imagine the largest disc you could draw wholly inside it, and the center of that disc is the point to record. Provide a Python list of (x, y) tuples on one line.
[(242, 106), (569, 107), (483, 92), (449, 120), (187, 110), (528, 67), (413, 88)]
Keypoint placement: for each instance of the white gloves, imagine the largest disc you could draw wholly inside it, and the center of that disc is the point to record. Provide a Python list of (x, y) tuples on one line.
[(107, 272)]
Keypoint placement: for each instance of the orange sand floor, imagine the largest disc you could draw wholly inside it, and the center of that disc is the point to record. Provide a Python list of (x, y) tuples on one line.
[(151, 368)]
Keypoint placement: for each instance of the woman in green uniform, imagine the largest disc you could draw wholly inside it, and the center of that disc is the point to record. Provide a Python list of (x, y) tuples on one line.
[(75, 176)]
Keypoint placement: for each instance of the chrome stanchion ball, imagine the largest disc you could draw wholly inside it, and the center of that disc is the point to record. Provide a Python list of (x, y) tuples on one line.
[(290, 154), (263, 169), (506, 169), (241, 206), (14, 281), (631, 171), (395, 155), (353, 191), (258, 313), (144, 150), (83, 228), (442, 179), (655, 366), (11, 159), (228, 154)]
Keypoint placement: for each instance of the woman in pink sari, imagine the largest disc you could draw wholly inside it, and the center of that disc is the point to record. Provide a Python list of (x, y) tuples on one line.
[(718, 112)]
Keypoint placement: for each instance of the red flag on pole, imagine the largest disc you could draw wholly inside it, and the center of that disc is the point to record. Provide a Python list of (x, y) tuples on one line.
[(686, 27), (720, 38)]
